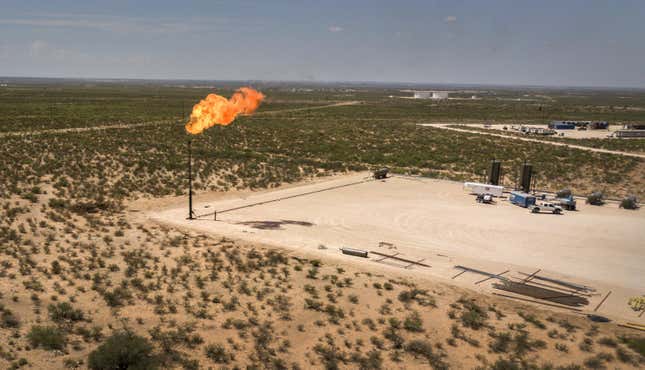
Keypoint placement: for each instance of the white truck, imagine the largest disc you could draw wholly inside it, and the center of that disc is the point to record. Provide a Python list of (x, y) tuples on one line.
[(546, 207), (481, 189)]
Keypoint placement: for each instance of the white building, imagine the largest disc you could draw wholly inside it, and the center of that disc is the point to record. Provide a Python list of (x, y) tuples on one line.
[(437, 95)]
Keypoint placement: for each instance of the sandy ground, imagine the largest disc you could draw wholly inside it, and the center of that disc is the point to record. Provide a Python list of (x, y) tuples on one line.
[(438, 222), (535, 139)]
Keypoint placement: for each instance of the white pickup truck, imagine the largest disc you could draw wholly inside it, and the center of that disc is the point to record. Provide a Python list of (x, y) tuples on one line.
[(546, 207)]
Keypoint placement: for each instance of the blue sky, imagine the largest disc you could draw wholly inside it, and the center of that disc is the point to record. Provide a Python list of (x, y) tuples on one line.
[(562, 43)]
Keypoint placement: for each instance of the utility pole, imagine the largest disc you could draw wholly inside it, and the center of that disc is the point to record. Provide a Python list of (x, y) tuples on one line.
[(191, 214)]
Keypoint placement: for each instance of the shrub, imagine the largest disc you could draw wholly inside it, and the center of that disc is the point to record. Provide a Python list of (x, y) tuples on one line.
[(123, 350), (596, 198), (117, 296), (423, 348), (629, 202), (47, 337), (372, 361), (420, 296), (532, 319), (413, 322), (635, 343), (473, 316), (9, 320), (64, 312), (217, 353)]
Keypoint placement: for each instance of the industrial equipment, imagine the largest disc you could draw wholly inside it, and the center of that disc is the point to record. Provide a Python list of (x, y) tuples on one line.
[(381, 173), (525, 177), (522, 199), (495, 172)]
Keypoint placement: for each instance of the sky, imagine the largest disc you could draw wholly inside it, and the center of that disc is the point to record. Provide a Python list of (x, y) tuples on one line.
[(514, 42)]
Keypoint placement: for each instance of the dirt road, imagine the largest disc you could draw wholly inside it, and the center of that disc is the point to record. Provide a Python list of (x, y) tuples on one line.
[(581, 147), (340, 104), (153, 123)]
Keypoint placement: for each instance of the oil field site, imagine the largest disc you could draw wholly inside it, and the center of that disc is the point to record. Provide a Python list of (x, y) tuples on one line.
[(297, 226)]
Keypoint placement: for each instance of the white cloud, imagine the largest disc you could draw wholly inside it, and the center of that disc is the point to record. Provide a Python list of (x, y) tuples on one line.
[(335, 29), (450, 19), (111, 24)]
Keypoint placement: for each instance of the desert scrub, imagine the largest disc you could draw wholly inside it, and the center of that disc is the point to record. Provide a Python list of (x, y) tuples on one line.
[(8, 320), (413, 323), (472, 315), (218, 354), (531, 318), (423, 349), (63, 312), (417, 295), (47, 337), (123, 350)]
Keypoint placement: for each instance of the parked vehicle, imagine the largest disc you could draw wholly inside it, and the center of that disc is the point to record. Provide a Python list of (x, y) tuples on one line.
[(567, 203), (546, 207), (485, 198), (521, 199)]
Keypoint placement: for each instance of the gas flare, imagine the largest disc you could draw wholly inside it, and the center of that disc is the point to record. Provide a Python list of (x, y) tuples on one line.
[(217, 110)]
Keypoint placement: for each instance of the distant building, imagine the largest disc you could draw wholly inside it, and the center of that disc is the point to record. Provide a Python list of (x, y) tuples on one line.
[(436, 95), (439, 95)]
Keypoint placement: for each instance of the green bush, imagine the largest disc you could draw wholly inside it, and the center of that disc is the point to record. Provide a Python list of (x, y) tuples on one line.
[(422, 348), (64, 312), (218, 354), (123, 350), (596, 198), (629, 202), (47, 337), (413, 322), (8, 319)]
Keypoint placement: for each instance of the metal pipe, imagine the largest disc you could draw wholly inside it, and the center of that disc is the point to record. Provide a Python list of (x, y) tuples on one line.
[(190, 182)]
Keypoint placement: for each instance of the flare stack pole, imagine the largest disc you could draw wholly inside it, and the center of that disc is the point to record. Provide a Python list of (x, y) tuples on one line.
[(190, 182)]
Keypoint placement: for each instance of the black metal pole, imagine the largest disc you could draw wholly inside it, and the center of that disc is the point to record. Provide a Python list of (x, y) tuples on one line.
[(190, 181)]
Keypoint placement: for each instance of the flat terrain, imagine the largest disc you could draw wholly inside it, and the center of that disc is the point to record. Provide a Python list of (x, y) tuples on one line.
[(498, 132), (424, 218), (571, 134), (96, 253)]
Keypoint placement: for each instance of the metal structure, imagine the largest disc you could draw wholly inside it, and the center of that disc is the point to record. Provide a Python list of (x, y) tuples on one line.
[(525, 177), (397, 258), (354, 252), (562, 293), (495, 172), (191, 213)]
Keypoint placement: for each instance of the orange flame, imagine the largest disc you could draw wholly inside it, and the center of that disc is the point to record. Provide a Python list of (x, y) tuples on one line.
[(217, 110)]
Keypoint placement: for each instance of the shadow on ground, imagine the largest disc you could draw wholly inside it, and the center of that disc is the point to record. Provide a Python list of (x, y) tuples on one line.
[(274, 225)]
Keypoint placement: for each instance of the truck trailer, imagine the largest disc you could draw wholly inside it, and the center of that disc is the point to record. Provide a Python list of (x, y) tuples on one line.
[(480, 189)]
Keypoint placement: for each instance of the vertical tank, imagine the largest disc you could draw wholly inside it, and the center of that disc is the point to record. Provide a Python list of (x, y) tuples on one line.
[(495, 172), (525, 178)]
